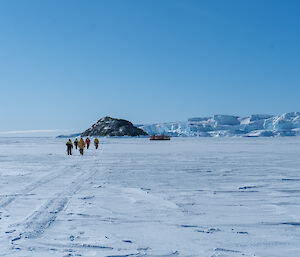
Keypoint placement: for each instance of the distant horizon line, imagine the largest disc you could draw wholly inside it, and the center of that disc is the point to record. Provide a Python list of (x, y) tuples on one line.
[(30, 131)]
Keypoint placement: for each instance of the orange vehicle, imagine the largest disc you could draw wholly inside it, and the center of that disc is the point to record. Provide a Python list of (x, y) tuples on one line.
[(160, 137)]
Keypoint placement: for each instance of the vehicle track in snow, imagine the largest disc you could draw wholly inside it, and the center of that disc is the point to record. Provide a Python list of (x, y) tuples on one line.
[(37, 222), (7, 200)]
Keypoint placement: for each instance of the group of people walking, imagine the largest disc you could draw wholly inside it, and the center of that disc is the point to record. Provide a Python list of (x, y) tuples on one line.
[(81, 144)]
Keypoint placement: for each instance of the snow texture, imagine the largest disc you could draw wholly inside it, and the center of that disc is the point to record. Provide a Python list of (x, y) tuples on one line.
[(228, 197), (257, 125)]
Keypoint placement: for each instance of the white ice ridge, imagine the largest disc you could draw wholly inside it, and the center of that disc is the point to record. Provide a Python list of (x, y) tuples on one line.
[(256, 125)]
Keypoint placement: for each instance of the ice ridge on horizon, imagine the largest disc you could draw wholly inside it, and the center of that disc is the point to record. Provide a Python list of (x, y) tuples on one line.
[(256, 125)]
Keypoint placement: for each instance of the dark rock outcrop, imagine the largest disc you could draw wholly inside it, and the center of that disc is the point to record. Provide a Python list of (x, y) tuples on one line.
[(108, 126)]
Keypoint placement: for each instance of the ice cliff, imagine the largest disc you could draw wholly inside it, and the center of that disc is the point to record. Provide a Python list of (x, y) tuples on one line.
[(257, 125)]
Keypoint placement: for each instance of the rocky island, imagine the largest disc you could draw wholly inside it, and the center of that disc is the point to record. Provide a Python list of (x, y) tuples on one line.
[(108, 126)]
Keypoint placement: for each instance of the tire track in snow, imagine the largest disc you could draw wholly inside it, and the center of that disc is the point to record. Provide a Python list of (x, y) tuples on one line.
[(40, 220), (36, 224), (8, 200), (46, 179)]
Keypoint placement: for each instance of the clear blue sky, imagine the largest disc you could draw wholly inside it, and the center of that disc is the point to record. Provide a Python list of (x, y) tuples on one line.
[(64, 64)]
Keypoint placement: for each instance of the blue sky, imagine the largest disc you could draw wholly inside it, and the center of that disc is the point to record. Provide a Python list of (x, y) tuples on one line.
[(65, 64)]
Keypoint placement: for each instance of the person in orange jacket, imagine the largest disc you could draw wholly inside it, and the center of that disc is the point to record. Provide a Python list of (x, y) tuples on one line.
[(81, 145), (87, 141), (96, 143)]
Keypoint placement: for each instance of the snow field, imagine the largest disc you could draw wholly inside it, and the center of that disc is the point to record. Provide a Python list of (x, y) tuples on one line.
[(133, 197)]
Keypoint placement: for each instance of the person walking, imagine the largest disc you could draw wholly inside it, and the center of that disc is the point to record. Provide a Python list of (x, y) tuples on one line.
[(76, 143), (87, 141), (81, 145), (96, 142), (69, 145)]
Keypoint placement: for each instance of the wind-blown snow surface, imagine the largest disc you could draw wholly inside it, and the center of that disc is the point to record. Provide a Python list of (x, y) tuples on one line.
[(257, 125), (133, 197)]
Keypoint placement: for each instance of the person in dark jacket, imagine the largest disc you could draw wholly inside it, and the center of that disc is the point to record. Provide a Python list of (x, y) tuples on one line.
[(76, 142), (69, 145)]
